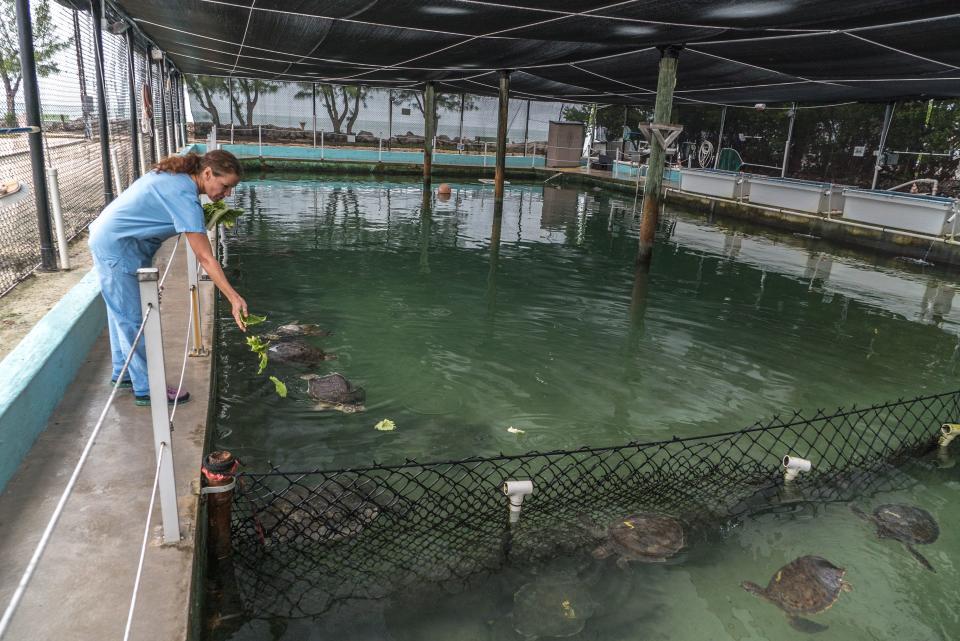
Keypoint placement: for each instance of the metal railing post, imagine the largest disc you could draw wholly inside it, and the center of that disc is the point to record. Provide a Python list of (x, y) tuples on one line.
[(380, 148), (193, 280), (321, 144), (115, 167), (260, 139), (53, 189), (153, 338)]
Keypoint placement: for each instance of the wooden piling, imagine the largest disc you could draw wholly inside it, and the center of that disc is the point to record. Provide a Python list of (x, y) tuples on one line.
[(219, 469), (502, 115)]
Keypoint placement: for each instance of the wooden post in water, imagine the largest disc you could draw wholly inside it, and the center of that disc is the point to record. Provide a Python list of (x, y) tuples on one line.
[(429, 131), (652, 186), (218, 471), (502, 115)]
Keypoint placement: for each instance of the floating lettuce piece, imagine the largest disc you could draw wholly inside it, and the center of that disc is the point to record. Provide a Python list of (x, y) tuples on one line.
[(386, 425), (253, 319), (218, 212), (281, 387), (259, 346)]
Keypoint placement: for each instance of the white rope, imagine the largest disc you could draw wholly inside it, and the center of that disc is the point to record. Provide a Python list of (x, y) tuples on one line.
[(143, 546), (901, 51), (183, 367), (169, 262), (492, 33), (243, 40), (48, 531)]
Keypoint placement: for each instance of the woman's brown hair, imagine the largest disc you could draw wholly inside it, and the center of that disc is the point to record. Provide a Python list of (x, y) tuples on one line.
[(220, 162)]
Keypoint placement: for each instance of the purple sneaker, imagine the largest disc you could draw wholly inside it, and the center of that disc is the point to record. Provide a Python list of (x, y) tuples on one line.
[(171, 397)]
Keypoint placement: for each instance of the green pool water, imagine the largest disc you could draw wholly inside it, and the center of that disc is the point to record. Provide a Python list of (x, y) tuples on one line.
[(551, 333)]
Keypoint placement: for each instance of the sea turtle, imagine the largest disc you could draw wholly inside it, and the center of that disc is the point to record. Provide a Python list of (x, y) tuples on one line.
[(551, 608), (906, 523), (333, 391), (806, 585), (294, 329), (645, 536), (339, 509), (298, 352)]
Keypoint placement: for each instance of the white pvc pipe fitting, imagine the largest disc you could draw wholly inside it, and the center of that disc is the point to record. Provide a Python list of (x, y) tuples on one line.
[(948, 432), (516, 491), (792, 466)]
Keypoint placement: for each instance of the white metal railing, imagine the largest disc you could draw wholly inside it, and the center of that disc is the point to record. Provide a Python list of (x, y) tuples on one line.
[(164, 485)]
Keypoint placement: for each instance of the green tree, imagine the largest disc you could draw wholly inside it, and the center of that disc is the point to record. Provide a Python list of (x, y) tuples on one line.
[(246, 93), (448, 101), (46, 45), (206, 89), (342, 103)]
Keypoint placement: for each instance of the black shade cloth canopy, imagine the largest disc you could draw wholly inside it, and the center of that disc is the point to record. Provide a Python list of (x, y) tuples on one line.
[(735, 51)]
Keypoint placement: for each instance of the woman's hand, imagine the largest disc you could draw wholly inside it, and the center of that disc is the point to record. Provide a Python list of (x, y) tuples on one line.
[(239, 311)]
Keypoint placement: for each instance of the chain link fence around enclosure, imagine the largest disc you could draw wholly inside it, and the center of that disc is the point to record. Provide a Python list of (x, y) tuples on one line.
[(305, 541), (64, 48)]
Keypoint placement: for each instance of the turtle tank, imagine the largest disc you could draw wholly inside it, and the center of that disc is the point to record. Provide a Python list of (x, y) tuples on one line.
[(441, 330)]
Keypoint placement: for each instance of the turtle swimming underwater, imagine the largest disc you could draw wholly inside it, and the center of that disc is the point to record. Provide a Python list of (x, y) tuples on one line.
[(908, 524), (645, 536), (298, 352), (333, 391), (337, 510), (806, 585), (294, 329)]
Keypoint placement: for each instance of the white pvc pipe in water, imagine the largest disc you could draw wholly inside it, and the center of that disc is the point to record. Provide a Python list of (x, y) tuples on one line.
[(53, 185), (516, 491), (792, 466)]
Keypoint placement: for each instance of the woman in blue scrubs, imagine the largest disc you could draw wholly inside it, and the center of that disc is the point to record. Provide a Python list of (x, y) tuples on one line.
[(163, 203)]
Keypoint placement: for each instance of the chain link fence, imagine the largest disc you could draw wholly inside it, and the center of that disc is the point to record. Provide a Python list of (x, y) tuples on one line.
[(67, 76), (304, 541)]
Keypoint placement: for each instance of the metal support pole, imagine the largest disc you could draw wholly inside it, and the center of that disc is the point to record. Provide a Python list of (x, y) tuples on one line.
[(162, 68), (96, 7), (653, 184), (260, 139), (314, 86), (389, 118), (786, 147), (380, 147), (887, 119), (154, 144), (429, 131), (54, 185), (193, 280), (115, 166), (321, 144), (463, 100), (526, 129), (153, 340), (31, 95), (230, 103), (181, 98), (723, 120), (134, 125), (503, 114)]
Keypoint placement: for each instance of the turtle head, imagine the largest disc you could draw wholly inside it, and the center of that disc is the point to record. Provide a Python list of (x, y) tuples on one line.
[(309, 377), (752, 588)]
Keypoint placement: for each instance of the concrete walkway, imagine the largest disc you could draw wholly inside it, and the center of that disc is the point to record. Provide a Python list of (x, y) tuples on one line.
[(82, 586)]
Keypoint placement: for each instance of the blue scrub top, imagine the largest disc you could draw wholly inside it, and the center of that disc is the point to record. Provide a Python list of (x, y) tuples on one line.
[(155, 207)]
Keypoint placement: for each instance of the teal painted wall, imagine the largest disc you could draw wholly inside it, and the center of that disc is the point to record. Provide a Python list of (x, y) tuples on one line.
[(35, 375)]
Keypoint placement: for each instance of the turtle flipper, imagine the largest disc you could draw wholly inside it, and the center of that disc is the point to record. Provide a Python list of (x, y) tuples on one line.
[(919, 557), (805, 625)]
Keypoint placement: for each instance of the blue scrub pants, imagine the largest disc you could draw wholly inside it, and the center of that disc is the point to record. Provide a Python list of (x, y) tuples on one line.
[(121, 293)]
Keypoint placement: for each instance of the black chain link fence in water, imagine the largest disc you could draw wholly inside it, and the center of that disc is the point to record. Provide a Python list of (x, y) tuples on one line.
[(304, 541)]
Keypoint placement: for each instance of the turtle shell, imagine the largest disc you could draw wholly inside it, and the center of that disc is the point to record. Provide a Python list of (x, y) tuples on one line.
[(905, 523), (806, 585), (551, 608), (298, 352), (646, 536)]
